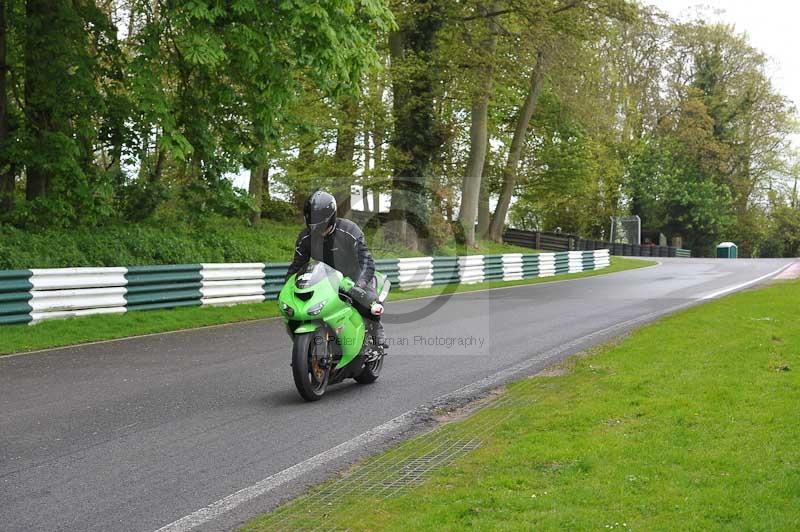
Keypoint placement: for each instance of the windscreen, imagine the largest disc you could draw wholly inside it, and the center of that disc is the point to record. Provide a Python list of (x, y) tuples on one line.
[(316, 272)]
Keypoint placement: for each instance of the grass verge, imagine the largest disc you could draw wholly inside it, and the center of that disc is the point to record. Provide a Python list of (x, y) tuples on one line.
[(688, 424), (60, 333)]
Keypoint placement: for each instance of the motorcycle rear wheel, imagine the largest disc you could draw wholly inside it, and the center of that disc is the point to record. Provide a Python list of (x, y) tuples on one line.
[(310, 379)]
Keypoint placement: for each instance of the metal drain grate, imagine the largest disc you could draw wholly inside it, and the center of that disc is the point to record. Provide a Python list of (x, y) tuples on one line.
[(414, 470)]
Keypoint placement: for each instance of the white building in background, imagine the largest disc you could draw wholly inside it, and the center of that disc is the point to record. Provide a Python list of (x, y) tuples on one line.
[(357, 201)]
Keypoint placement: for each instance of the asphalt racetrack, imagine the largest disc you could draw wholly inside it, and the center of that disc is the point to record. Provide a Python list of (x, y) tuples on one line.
[(137, 434)]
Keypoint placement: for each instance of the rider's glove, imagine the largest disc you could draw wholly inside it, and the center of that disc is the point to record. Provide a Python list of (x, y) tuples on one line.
[(362, 284)]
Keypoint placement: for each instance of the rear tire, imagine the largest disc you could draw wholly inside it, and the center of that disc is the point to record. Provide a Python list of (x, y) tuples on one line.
[(309, 380)]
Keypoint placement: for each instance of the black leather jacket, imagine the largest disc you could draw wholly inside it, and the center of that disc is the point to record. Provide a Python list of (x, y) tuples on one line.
[(344, 249)]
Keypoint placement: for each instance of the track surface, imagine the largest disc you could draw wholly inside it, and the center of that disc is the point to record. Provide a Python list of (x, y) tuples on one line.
[(135, 434)]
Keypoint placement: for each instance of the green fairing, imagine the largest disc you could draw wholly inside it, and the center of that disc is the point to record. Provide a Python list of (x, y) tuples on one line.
[(335, 314)]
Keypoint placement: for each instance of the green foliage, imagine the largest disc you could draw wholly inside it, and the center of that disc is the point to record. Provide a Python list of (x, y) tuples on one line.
[(782, 237), (139, 199), (167, 240), (672, 193), (197, 90), (280, 211), (201, 201), (561, 163), (136, 111)]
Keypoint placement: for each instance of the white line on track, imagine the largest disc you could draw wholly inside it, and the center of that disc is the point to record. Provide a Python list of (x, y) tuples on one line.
[(728, 290)]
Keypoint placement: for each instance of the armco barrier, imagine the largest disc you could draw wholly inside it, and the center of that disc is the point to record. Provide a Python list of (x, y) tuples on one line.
[(415, 272), (229, 284), (566, 242), (15, 294), (156, 287), (493, 267), (445, 270), (390, 268), (513, 267), (30, 296), (72, 292), (470, 269), (274, 275)]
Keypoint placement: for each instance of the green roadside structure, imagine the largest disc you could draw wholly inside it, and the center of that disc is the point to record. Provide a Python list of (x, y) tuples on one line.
[(727, 250)]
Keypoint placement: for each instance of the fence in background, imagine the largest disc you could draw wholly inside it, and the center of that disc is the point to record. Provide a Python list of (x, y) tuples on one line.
[(567, 242), (30, 296)]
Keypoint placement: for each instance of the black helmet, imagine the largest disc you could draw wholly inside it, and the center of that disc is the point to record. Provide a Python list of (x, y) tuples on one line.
[(319, 212)]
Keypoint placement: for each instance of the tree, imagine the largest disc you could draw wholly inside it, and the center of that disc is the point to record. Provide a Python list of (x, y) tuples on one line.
[(344, 165), (479, 128), (416, 140), (7, 177), (548, 25), (495, 231)]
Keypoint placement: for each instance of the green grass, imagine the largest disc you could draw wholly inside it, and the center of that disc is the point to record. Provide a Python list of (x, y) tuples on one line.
[(59, 333), (483, 247), (689, 424)]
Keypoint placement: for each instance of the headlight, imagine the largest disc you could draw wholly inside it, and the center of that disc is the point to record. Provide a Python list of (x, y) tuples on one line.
[(286, 309), (316, 309)]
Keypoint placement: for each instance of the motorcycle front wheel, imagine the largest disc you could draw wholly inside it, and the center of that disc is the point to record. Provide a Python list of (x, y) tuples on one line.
[(310, 378), (372, 370)]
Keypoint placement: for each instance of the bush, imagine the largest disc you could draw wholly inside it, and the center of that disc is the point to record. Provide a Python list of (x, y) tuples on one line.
[(280, 211), (215, 240)]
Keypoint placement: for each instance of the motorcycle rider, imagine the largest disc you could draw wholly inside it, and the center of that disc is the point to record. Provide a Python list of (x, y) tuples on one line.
[(340, 244)]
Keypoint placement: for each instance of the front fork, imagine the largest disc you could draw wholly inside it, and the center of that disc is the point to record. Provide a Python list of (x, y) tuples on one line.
[(333, 354)]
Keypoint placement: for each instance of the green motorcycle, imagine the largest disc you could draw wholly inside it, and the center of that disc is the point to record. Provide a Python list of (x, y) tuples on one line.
[(330, 337)]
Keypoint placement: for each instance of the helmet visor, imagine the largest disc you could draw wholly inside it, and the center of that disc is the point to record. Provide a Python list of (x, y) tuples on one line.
[(318, 228)]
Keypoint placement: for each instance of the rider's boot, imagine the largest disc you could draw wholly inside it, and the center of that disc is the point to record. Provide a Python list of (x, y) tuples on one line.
[(378, 336)]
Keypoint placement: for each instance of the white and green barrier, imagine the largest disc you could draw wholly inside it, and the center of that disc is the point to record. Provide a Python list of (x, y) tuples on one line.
[(30, 296)]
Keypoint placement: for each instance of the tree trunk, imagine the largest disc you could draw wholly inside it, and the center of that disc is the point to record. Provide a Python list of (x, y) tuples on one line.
[(378, 175), (306, 158), (42, 35), (376, 201), (256, 190), (6, 165), (367, 173), (478, 133), (416, 137), (131, 23), (484, 214), (265, 193), (377, 167), (344, 154), (498, 222), (470, 190), (155, 175)]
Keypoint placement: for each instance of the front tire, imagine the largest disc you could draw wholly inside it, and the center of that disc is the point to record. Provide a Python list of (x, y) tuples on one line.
[(310, 379)]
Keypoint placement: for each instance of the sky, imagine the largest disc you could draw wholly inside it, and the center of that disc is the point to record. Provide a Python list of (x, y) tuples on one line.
[(771, 26)]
